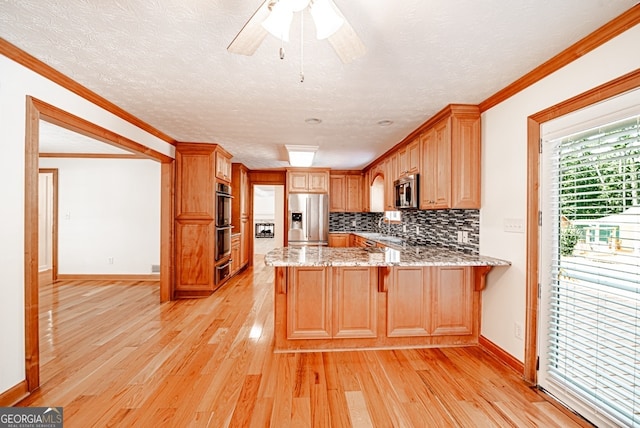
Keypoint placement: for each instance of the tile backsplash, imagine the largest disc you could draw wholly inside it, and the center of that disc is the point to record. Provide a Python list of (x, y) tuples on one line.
[(436, 227)]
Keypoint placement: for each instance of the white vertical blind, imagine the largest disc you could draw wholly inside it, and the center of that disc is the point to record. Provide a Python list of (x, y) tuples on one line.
[(593, 349)]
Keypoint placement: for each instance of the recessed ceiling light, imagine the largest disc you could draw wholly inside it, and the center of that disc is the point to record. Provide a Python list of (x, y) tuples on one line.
[(385, 122), (313, 121)]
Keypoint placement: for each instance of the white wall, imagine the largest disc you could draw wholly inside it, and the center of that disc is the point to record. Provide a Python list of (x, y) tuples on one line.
[(504, 179), (268, 206), (108, 208), (16, 82)]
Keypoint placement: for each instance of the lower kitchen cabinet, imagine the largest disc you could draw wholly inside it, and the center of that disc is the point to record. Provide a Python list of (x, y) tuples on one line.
[(339, 240), (236, 260), (355, 302), (430, 301), (408, 302), (376, 307), (451, 301), (332, 303), (309, 303)]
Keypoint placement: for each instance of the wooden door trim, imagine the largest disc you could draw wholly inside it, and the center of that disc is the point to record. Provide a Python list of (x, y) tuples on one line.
[(37, 110), (618, 86), (54, 220)]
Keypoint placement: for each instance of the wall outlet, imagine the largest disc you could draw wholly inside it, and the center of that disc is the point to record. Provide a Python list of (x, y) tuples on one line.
[(417, 230), (517, 330), (404, 228), (354, 223), (110, 260), (465, 237), (459, 237)]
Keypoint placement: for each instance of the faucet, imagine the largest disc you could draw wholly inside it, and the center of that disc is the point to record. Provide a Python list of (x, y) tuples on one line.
[(382, 220)]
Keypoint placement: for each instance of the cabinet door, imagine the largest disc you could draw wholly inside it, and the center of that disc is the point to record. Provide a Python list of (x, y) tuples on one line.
[(436, 176), (353, 187), (452, 301), (403, 161), (413, 156), (245, 241), (338, 240), (235, 254), (465, 158), (194, 256), (194, 191), (389, 190), (408, 303), (223, 167), (319, 182), (355, 302), (337, 193), (298, 181), (309, 303)]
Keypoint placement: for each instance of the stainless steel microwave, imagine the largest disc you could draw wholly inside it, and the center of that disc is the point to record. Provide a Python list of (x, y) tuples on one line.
[(406, 192)]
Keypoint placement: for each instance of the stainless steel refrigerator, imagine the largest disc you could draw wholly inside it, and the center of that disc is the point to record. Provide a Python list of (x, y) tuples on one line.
[(308, 219)]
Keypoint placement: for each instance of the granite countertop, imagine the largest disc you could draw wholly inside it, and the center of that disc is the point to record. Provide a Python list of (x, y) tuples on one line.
[(373, 256)]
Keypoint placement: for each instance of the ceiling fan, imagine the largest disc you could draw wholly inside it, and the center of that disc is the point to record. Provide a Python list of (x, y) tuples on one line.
[(274, 16)]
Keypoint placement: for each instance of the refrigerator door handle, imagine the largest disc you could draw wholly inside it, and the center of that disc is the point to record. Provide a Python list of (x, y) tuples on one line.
[(308, 219)]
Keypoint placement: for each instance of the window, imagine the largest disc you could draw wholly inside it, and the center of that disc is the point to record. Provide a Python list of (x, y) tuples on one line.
[(393, 216), (591, 297)]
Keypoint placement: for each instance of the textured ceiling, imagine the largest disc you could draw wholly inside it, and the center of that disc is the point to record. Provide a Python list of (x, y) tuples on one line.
[(165, 61)]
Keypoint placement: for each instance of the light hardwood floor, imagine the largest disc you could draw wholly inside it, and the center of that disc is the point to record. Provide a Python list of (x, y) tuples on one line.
[(111, 355)]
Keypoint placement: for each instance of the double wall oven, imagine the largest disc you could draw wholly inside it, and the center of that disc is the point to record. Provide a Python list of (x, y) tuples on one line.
[(223, 232)]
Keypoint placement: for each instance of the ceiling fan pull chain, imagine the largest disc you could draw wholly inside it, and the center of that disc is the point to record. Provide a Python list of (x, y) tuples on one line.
[(302, 47)]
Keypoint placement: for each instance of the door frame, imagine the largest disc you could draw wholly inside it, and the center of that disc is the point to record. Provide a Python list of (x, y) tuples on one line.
[(37, 110), (625, 83)]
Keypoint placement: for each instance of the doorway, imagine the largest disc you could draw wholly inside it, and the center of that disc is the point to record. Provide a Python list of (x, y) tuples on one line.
[(37, 111), (268, 218), (47, 225), (590, 253)]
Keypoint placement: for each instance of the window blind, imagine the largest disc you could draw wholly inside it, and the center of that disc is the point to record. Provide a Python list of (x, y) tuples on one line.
[(593, 349)]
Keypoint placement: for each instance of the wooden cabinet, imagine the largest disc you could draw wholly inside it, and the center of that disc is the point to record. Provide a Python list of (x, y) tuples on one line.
[(408, 158), (345, 193), (436, 179), (408, 301), (339, 239), (430, 301), (336, 302), (451, 160), (390, 176), (337, 193), (241, 212), (223, 165), (195, 219), (451, 301), (355, 301), (358, 241), (307, 181), (309, 303), (236, 263)]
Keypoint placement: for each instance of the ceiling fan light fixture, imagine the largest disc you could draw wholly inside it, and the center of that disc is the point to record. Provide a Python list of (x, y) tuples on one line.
[(278, 22), (326, 18), (301, 156)]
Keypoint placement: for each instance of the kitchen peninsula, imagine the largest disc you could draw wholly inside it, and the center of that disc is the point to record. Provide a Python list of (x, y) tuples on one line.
[(378, 297)]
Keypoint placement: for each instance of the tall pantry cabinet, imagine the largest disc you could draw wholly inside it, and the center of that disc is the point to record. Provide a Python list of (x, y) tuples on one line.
[(197, 172)]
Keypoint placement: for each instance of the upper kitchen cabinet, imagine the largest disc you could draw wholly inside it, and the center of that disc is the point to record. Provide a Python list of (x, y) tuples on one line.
[(223, 165), (390, 175), (409, 158), (345, 192), (307, 180), (450, 150)]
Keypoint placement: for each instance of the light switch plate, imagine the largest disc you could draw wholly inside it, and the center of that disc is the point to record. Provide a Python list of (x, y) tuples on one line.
[(514, 225)]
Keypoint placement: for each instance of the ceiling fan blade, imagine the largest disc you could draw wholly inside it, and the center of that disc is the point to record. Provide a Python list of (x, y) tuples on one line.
[(346, 42), (252, 34)]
